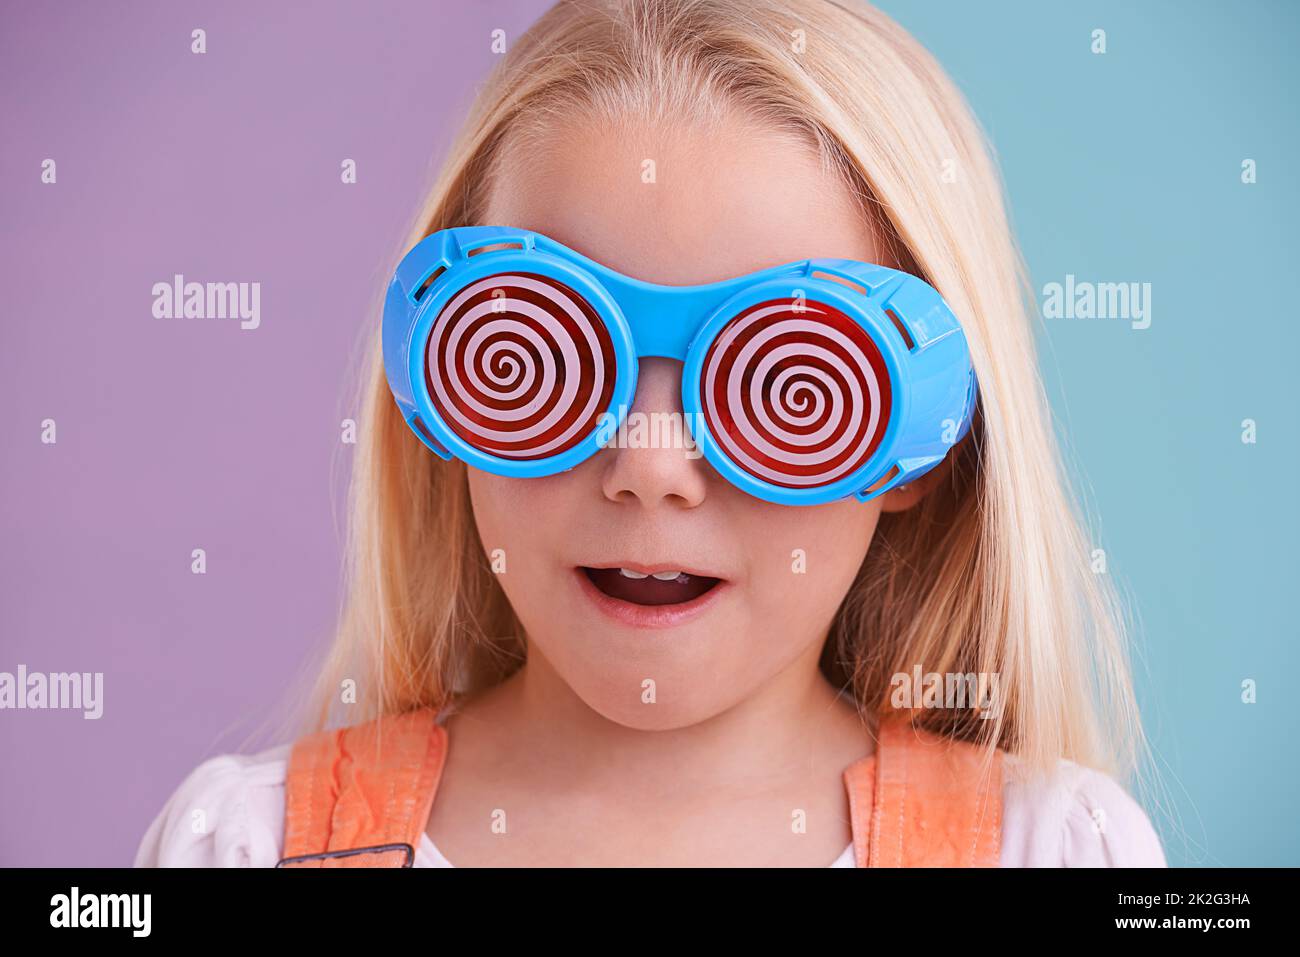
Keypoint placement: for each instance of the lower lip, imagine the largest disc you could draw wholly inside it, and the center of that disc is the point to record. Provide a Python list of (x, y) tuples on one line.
[(648, 616)]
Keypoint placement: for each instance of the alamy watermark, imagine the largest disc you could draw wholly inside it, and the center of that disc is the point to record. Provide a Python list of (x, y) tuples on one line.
[(179, 299), (978, 691), (61, 691), (650, 430), (129, 911), (1073, 299)]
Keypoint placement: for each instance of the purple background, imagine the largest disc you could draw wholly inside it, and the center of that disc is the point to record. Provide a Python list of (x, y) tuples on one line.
[(180, 434)]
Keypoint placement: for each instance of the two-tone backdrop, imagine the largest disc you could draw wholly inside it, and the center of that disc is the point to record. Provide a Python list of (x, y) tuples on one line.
[(137, 451)]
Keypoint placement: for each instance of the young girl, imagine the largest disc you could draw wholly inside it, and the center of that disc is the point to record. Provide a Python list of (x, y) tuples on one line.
[(637, 661)]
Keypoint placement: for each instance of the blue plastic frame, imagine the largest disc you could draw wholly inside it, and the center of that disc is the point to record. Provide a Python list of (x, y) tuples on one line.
[(933, 388)]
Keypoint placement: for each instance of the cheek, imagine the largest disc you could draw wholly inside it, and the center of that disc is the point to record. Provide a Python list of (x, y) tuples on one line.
[(499, 503), (810, 558)]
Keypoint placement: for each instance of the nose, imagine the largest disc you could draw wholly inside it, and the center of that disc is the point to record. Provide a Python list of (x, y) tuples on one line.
[(652, 460)]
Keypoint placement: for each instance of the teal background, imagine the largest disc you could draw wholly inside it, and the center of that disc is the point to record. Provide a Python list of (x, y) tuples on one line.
[(1126, 167)]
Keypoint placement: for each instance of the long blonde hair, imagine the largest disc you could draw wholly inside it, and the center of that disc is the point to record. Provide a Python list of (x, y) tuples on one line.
[(988, 574)]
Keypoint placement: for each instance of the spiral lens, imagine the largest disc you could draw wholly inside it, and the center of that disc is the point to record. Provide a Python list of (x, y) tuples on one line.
[(795, 393), (520, 366)]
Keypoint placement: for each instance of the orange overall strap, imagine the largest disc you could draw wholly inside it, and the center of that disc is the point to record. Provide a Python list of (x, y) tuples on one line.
[(924, 800), (361, 796)]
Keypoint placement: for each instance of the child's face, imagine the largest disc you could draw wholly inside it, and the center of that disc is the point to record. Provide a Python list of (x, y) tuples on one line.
[(720, 205)]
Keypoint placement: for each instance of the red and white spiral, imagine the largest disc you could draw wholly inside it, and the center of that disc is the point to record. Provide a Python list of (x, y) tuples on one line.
[(796, 394), (520, 366)]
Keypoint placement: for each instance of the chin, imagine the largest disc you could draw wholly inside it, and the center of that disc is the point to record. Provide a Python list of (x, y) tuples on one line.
[(660, 716), (645, 688)]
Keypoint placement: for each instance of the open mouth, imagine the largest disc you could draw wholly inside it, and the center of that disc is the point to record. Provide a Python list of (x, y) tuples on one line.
[(666, 587)]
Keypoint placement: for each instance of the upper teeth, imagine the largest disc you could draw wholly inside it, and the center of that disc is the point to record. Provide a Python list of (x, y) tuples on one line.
[(662, 576)]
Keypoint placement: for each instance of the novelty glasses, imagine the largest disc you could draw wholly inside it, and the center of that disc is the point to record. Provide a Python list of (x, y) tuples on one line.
[(802, 384)]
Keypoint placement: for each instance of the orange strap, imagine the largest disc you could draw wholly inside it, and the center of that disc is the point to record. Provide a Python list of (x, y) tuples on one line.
[(361, 797), (924, 800)]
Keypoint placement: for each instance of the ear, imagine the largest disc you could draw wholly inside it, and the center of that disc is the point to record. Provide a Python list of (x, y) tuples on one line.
[(903, 497), (909, 494)]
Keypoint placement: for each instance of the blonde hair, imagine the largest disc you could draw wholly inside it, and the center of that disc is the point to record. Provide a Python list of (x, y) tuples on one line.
[(988, 574)]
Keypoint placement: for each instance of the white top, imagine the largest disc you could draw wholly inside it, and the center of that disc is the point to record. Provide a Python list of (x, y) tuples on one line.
[(1074, 818)]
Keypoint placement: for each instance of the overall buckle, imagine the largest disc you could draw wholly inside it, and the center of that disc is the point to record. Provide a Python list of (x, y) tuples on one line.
[(407, 850)]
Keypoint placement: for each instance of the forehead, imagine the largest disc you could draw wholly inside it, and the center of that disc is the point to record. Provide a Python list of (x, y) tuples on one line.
[(680, 204)]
